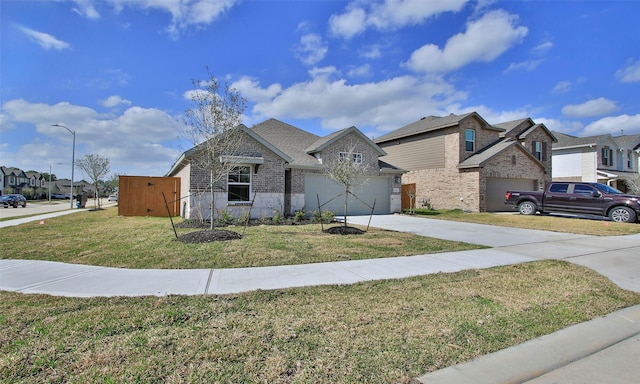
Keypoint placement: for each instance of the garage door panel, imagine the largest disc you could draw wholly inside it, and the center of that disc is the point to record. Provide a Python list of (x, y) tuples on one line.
[(331, 195), (496, 188)]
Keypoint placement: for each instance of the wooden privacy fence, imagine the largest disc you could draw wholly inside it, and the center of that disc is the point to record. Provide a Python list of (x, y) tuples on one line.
[(142, 196)]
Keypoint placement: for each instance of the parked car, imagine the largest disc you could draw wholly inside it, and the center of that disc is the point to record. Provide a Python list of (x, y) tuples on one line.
[(577, 198), (113, 197), (59, 196), (13, 200)]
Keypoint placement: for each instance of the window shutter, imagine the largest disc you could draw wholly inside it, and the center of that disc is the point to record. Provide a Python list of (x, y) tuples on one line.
[(544, 151)]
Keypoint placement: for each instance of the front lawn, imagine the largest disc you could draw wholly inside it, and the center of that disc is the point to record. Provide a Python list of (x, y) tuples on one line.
[(106, 239)]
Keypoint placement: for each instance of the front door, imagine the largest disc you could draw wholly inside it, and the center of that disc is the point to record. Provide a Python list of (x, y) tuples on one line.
[(585, 201)]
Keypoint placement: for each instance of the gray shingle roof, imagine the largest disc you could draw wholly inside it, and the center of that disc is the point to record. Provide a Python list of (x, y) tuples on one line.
[(428, 124), (290, 140), (509, 125), (628, 141), (565, 140)]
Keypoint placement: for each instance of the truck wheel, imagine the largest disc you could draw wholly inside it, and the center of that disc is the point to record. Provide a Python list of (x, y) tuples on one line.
[(527, 208), (622, 215)]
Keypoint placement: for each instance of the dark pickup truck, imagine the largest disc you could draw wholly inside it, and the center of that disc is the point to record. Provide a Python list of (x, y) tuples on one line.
[(577, 198)]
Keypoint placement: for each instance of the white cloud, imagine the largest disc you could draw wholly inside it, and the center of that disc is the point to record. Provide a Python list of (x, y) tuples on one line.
[(45, 40), (527, 66), (86, 9), (595, 107), (114, 101), (250, 88), (311, 49), (134, 141), (348, 24), (562, 87), (484, 40), (377, 106), (542, 48), (371, 52), (614, 125), (184, 14), (399, 13), (363, 70), (630, 73), (387, 15)]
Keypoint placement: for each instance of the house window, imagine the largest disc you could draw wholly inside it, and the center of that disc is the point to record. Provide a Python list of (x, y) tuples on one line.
[(239, 183), (607, 156), (537, 150), (629, 159), (513, 160), (356, 157), (469, 140)]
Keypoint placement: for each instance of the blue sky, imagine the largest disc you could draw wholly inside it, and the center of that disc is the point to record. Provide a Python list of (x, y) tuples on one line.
[(119, 72)]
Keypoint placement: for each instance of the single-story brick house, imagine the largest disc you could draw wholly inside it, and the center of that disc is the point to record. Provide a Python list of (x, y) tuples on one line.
[(284, 169), (463, 162)]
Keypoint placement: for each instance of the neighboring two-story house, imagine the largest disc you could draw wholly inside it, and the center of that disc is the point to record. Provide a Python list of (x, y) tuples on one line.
[(282, 169), (14, 180), (463, 162), (603, 158)]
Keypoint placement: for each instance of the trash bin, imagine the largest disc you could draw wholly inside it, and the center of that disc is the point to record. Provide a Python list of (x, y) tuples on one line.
[(82, 201)]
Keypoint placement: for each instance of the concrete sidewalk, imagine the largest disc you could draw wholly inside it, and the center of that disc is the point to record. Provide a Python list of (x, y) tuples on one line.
[(603, 350)]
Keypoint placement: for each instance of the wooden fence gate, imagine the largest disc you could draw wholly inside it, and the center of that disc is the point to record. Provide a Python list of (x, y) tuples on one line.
[(142, 196), (408, 193)]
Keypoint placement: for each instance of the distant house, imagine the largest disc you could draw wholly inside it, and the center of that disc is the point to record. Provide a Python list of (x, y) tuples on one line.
[(14, 180), (463, 162), (282, 169), (602, 158)]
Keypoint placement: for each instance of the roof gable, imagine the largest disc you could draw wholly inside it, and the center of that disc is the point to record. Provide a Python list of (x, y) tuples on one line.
[(628, 141), (324, 142), (432, 123), (479, 159)]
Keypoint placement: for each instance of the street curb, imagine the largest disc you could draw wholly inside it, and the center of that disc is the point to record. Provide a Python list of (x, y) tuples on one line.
[(539, 356)]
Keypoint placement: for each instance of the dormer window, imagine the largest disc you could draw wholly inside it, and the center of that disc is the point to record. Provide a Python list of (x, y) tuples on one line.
[(470, 140)]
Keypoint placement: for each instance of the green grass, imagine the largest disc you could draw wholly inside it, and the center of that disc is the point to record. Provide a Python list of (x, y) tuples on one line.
[(106, 239), (374, 332)]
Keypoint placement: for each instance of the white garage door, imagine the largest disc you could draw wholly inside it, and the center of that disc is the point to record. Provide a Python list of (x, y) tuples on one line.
[(373, 189), (496, 188)]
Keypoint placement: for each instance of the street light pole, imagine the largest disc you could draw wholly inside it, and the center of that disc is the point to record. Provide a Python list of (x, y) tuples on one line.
[(73, 158)]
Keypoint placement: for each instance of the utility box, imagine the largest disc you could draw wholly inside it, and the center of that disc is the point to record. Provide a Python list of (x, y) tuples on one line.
[(143, 196)]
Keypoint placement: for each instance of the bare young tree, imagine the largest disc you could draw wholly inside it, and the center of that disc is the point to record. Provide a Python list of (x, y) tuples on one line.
[(633, 185), (213, 126), (348, 170), (94, 167)]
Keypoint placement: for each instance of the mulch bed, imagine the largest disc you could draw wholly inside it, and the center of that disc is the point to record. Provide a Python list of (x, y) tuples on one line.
[(342, 230), (209, 236)]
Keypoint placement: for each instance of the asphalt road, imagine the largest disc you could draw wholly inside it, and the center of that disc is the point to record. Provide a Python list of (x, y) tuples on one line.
[(42, 207)]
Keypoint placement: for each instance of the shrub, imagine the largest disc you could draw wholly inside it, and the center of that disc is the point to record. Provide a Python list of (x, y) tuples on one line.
[(300, 215), (224, 217), (326, 217)]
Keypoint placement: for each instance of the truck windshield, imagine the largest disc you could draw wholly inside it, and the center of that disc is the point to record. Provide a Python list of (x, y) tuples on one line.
[(607, 189)]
